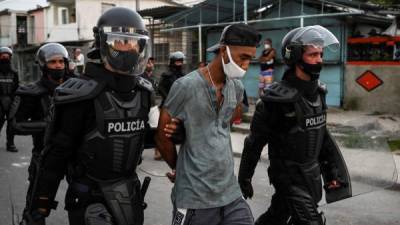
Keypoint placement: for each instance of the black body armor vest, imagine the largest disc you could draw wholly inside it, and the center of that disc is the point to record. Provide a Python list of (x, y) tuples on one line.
[(33, 118), (302, 129), (113, 149), (7, 84), (303, 141)]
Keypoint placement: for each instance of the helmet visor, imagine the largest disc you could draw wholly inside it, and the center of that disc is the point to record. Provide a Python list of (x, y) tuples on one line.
[(51, 51), (136, 45), (316, 36), (122, 42), (55, 52)]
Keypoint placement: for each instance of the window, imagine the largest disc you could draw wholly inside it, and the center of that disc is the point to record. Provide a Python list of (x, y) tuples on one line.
[(106, 6), (32, 28), (63, 15), (161, 51)]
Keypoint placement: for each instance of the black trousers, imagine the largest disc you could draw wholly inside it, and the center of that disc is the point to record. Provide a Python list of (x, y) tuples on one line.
[(5, 103), (296, 197)]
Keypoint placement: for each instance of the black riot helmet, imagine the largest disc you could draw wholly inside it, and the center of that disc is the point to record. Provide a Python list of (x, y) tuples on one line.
[(176, 56), (294, 42), (123, 40), (49, 52), (6, 50)]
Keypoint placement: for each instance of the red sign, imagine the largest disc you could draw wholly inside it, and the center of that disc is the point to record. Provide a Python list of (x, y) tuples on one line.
[(369, 81)]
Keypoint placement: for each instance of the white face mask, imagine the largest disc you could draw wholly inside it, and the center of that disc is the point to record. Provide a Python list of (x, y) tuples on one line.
[(267, 46), (231, 69)]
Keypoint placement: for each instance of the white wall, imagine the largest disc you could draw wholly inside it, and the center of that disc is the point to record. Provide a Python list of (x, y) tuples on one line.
[(88, 12), (5, 39), (13, 29)]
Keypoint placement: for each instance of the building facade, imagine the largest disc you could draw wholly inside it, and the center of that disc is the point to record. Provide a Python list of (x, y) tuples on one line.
[(273, 19)]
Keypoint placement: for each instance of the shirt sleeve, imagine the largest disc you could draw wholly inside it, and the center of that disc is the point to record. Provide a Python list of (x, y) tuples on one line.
[(175, 102), (239, 89)]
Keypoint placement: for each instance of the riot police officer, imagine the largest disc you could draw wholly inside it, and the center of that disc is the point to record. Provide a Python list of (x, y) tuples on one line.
[(8, 84), (174, 72), (29, 113), (291, 118), (98, 129)]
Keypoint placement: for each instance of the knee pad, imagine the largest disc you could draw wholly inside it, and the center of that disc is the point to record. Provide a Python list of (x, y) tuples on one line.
[(302, 208), (97, 214)]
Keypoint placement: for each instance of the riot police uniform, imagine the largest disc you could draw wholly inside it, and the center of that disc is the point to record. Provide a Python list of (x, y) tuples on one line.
[(291, 118), (97, 133), (30, 110), (168, 78), (8, 84)]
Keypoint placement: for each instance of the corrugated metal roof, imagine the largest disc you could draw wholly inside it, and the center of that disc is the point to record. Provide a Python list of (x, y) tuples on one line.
[(226, 11), (22, 5), (188, 2), (160, 12)]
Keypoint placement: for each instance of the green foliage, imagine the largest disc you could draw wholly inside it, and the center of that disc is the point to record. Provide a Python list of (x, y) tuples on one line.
[(381, 2), (394, 144)]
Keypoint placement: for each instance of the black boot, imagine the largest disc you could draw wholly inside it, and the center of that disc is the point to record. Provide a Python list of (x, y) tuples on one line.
[(10, 140), (11, 148)]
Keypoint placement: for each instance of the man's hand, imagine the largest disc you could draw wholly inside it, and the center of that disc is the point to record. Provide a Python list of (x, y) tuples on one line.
[(171, 176), (247, 188)]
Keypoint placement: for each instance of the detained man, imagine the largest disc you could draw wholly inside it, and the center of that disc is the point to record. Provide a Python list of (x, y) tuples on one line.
[(204, 101)]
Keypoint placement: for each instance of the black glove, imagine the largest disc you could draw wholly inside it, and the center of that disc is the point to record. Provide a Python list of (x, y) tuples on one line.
[(34, 218), (180, 134), (41, 207), (247, 188)]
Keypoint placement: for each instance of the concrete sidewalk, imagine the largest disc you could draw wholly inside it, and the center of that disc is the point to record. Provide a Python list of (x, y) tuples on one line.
[(371, 125)]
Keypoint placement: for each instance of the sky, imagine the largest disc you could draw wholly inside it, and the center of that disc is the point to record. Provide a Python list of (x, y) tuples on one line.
[(21, 5)]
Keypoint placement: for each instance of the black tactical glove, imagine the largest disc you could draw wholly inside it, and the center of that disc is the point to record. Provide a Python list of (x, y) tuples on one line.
[(179, 136), (34, 218), (246, 187)]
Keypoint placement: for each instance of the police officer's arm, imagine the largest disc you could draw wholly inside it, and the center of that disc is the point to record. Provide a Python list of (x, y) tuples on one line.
[(164, 86), (16, 82), (70, 124), (328, 158), (254, 143)]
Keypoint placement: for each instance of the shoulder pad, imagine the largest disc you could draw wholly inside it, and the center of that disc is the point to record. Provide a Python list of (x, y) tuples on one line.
[(280, 92), (77, 89), (322, 87), (33, 89), (145, 84)]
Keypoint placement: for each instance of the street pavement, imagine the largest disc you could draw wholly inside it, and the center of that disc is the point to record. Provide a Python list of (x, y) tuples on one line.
[(377, 200)]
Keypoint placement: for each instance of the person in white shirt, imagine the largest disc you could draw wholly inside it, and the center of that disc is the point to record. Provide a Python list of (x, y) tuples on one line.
[(79, 60)]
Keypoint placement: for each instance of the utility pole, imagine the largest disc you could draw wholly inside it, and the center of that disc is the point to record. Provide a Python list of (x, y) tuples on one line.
[(245, 11), (137, 5)]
